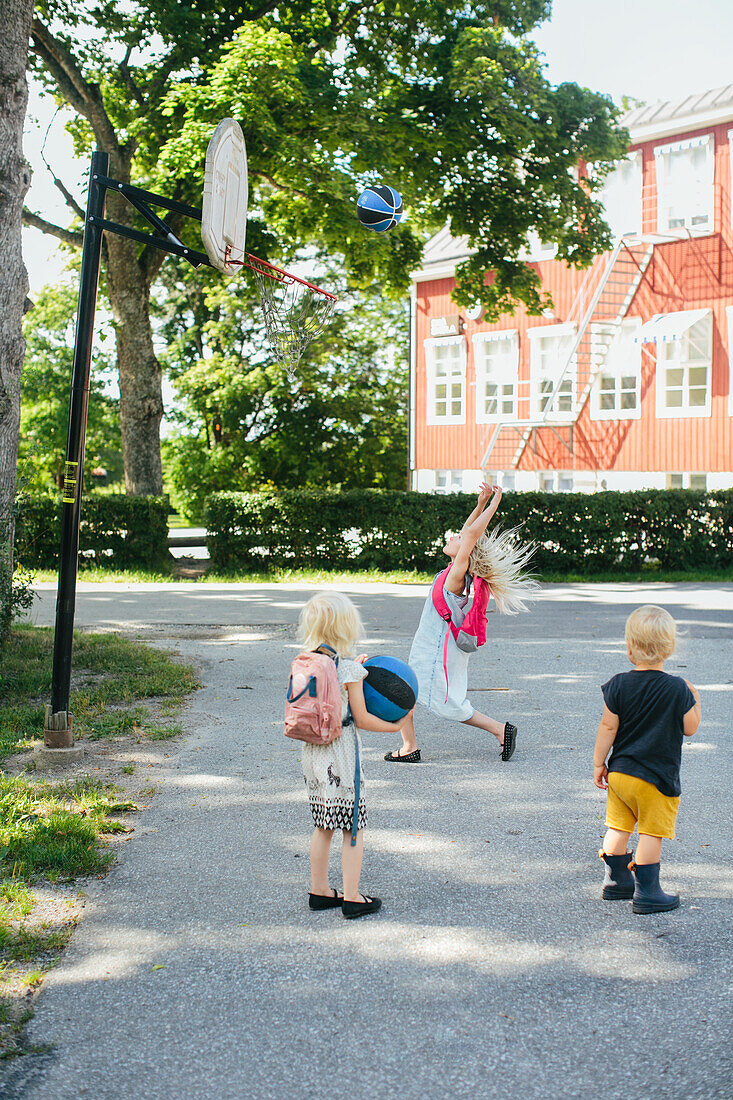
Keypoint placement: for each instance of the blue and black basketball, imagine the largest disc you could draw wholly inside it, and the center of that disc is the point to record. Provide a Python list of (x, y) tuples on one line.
[(390, 688), (380, 208)]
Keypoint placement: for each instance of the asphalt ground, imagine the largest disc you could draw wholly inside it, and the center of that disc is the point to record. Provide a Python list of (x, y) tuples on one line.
[(494, 968)]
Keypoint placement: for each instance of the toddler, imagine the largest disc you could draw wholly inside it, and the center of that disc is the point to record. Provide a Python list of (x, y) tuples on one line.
[(646, 715)]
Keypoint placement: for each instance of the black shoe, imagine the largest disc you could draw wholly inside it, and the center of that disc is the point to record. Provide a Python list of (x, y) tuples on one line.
[(618, 882), (409, 758), (324, 901), (649, 897), (352, 909), (510, 741)]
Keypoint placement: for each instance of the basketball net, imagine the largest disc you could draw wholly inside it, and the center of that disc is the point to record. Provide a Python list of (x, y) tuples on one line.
[(294, 310)]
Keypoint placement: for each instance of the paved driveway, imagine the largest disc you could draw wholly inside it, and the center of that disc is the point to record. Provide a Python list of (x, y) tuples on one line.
[(494, 970)]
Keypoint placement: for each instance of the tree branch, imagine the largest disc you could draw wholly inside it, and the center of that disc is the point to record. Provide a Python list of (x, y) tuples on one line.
[(279, 186), (70, 200), (69, 236), (84, 97), (127, 77)]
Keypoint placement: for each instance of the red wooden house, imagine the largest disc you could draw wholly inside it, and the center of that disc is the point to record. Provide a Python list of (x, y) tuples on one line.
[(627, 382)]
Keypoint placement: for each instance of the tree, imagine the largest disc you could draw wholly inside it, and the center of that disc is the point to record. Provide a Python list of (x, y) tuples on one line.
[(242, 425), (15, 18), (44, 418), (445, 99)]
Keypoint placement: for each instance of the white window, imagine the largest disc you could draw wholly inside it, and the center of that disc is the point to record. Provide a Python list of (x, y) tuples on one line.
[(616, 393), (685, 178), (549, 363), (449, 481), (497, 372), (683, 371), (622, 197), (560, 482), (687, 481), (446, 373)]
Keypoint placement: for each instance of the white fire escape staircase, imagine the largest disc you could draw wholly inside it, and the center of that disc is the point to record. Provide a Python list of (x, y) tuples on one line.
[(596, 315)]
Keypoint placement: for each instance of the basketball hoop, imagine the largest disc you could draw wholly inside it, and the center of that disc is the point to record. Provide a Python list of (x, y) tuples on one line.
[(295, 311)]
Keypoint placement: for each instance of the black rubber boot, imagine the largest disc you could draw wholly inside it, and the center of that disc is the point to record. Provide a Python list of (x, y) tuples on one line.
[(618, 883), (649, 897)]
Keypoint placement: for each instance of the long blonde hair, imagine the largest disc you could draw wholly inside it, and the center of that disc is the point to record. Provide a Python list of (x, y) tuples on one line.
[(330, 618), (501, 560)]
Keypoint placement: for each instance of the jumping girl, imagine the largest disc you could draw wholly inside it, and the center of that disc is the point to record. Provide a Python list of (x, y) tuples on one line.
[(441, 667)]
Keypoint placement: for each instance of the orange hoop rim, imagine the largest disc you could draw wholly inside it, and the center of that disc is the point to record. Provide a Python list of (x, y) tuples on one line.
[(278, 274)]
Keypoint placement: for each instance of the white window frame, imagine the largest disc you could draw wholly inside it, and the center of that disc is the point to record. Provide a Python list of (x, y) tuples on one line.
[(699, 215), (434, 379), (684, 410), (509, 375), (565, 332), (636, 163), (630, 325), (453, 482), (686, 480)]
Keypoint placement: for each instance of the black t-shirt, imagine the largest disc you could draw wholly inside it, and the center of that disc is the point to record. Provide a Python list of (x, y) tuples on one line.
[(651, 707)]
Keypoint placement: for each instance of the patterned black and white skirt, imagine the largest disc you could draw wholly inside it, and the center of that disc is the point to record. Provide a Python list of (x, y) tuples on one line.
[(329, 779)]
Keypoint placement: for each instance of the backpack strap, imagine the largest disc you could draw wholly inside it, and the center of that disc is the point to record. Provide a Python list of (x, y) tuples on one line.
[(357, 770)]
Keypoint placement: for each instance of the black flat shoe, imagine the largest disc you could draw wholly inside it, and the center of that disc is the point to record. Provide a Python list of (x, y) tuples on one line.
[(510, 741), (409, 758), (325, 901), (352, 909)]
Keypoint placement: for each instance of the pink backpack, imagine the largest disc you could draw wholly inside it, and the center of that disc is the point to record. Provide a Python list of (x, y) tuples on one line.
[(313, 704), (472, 631)]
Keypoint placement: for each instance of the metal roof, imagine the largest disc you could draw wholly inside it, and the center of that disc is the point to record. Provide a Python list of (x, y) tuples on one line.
[(704, 107)]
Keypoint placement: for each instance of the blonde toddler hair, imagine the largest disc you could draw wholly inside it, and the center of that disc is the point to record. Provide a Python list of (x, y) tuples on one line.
[(330, 618), (501, 560), (651, 634)]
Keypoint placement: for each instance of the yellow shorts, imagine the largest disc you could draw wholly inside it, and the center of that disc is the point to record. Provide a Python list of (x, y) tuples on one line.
[(631, 800)]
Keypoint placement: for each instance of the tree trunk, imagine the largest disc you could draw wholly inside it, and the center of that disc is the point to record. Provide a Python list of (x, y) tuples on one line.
[(15, 177), (141, 397)]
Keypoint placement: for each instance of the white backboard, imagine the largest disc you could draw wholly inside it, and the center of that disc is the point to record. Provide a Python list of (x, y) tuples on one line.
[(224, 210)]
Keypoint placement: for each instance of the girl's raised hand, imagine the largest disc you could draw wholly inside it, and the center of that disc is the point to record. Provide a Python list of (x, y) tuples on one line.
[(484, 494)]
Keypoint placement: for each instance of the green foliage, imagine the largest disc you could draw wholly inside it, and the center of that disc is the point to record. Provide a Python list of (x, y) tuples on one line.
[(243, 425), (448, 101), (110, 674), (588, 533), (49, 329), (117, 529)]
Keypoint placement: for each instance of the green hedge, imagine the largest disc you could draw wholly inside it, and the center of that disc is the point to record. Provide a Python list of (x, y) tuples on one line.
[(116, 530), (373, 528)]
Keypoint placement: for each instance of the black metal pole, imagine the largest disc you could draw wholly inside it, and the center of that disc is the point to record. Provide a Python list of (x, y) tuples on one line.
[(74, 470)]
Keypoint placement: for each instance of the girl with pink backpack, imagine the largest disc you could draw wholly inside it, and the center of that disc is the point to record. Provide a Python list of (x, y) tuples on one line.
[(453, 624), (325, 708)]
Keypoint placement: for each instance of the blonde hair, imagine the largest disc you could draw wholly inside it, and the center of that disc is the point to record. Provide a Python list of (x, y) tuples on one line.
[(500, 559), (330, 618), (651, 634)]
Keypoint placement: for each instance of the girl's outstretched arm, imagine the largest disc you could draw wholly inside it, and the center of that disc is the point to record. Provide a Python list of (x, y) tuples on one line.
[(483, 499), (470, 534)]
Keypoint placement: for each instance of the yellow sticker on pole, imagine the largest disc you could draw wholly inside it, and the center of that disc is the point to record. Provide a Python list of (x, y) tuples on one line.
[(71, 473)]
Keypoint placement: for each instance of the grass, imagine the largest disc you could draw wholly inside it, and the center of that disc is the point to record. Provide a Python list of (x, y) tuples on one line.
[(53, 832), (104, 575), (111, 675)]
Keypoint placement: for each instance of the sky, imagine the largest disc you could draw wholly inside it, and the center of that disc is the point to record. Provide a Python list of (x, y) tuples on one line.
[(646, 49)]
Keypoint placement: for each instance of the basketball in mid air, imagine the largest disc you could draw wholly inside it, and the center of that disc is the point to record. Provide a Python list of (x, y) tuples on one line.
[(390, 688), (380, 208)]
